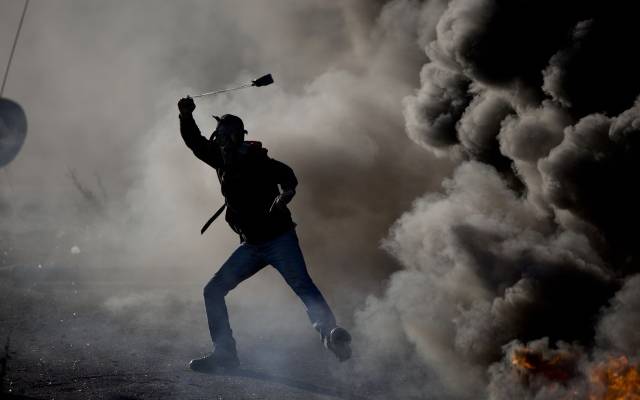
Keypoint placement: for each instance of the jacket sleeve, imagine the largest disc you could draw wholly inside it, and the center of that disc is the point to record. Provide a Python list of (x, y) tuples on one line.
[(202, 148), (284, 175)]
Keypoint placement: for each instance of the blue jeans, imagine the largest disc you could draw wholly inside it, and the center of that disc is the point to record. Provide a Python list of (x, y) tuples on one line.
[(284, 254)]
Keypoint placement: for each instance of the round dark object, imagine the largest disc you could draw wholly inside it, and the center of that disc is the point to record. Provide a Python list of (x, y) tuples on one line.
[(13, 130)]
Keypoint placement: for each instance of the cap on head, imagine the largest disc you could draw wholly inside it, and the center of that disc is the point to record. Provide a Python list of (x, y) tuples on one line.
[(231, 122)]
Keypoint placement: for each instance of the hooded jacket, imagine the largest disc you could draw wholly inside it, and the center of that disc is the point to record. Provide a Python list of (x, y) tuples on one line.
[(249, 185)]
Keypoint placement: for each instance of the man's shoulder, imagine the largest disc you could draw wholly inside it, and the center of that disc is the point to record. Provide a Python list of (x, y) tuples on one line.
[(252, 148), (252, 144)]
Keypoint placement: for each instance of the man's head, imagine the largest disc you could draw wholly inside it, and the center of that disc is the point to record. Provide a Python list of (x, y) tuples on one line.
[(229, 132)]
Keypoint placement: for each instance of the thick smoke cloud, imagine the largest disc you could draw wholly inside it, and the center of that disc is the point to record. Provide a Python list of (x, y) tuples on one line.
[(589, 174), (438, 105), (616, 328), (530, 250)]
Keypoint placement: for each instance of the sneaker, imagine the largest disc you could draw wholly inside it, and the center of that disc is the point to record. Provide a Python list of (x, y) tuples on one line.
[(338, 341), (213, 361)]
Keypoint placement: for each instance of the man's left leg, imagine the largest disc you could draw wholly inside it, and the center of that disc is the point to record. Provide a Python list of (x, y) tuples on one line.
[(284, 254), (241, 265)]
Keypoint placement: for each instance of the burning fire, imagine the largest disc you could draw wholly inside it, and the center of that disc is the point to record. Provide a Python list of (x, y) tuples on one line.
[(558, 366), (615, 379)]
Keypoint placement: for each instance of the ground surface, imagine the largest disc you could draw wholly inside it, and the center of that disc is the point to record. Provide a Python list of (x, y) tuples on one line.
[(71, 340)]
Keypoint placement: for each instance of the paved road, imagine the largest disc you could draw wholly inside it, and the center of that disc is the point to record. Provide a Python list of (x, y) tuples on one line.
[(80, 341)]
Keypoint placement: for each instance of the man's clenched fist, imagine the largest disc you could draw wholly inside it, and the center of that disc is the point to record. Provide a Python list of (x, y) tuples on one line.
[(186, 105)]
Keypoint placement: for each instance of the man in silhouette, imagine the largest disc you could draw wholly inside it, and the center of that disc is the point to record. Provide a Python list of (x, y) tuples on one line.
[(257, 190)]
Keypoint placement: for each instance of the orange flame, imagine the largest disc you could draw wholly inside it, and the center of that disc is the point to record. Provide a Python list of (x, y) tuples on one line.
[(615, 379), (559, 366)]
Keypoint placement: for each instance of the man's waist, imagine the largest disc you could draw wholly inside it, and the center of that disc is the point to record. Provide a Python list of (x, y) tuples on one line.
[(256, 234)]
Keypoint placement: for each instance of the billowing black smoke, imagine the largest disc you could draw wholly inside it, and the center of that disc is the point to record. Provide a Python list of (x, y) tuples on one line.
[(528, 249), (533, 241)]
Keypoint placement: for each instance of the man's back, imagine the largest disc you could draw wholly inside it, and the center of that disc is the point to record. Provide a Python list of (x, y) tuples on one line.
[(250, 183)]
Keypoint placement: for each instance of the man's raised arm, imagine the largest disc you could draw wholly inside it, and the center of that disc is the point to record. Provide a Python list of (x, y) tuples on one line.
[(202, 148)]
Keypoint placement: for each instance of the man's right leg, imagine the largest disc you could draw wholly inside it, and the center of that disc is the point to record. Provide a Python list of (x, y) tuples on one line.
[(242, 264)]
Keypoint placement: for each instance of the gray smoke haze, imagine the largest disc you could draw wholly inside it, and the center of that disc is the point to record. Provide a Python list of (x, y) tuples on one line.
[(104, 167), (104, 171), (521, 142)]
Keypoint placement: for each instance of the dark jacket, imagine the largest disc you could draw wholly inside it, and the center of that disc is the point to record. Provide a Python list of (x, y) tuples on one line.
[(249, 187)]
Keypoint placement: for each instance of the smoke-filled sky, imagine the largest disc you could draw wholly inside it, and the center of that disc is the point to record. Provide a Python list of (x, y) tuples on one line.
[(489, 146), (99, 82), (104, 168)]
